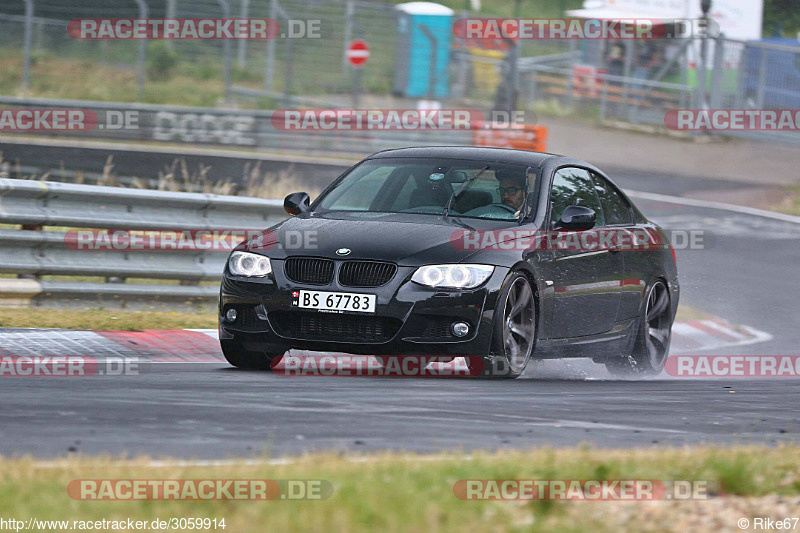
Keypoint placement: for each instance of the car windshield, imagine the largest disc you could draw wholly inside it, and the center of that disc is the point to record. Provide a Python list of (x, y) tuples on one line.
[(490, 190)]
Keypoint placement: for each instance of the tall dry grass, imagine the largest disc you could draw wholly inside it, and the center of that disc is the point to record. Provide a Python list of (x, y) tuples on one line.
[(178, 177)]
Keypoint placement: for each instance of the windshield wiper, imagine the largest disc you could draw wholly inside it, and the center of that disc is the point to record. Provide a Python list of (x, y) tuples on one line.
[(461, 189)]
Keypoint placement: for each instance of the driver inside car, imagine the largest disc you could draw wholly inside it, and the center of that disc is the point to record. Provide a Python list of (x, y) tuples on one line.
[(512, 189)]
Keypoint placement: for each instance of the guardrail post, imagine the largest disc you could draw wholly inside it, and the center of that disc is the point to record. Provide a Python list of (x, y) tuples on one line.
[(26, 62), (30, 227), (142, 53)]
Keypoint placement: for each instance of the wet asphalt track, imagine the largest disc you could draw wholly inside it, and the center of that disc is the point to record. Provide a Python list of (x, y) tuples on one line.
[(212, 411)]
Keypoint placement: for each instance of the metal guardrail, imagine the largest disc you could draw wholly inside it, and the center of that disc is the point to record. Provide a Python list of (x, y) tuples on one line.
[(229, 128), (45, 203), (35, 252)]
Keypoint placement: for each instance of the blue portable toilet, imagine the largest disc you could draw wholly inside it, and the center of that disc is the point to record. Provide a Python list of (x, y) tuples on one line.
[(414, 50)]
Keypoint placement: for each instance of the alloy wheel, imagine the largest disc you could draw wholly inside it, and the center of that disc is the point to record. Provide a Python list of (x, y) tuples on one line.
[(518, 324), (657, 327)]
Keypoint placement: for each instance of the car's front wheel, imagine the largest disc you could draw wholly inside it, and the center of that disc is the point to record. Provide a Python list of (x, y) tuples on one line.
[(651, 343), (514, 326), (248, 360)]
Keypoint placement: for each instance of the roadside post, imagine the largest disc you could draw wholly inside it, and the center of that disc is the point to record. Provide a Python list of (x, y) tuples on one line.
[(705, 6), (357, 55)]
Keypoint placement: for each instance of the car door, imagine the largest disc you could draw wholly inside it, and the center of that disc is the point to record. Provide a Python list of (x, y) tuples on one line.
[(618, 217), (586, 280)]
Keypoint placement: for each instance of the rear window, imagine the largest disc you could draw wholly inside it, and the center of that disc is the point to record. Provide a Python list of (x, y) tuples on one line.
[(615, 208)]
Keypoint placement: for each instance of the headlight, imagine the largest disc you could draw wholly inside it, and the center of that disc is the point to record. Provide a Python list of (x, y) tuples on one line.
[(452, 276), (247, 264)]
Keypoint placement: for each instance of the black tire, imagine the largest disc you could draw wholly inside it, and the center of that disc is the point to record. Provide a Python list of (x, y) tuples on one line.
[(248, 360), (514, 330), (651, 342)]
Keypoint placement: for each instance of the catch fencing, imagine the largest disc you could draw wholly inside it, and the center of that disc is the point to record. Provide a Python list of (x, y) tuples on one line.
[(738, 75), (311, 71), (308, 60)]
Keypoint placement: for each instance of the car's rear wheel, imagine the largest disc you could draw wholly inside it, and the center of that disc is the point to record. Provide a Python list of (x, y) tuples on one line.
[(514, 333), (249, 360), (651, 344)]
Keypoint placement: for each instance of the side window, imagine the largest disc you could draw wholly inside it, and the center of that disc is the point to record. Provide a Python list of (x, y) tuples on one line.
[(615, 208), (573, 186)]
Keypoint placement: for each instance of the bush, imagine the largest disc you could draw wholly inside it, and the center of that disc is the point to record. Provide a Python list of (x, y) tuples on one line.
[(161, 59)]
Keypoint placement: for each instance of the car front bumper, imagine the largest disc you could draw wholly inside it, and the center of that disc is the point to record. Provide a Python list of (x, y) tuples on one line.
[(409, 319)]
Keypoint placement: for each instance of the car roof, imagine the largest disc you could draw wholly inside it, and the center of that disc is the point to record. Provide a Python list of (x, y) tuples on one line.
[(504, 155)]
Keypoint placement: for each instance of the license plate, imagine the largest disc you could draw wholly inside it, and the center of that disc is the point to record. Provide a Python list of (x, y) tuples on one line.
[(337, 302)]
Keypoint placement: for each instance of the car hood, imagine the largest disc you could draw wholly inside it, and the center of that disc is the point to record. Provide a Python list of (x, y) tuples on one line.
[(408, 240)]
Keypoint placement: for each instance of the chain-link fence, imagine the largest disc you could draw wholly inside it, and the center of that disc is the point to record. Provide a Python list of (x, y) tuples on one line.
[(307, 62), (41, 54), (307, 58), (614, 85), (633, 81), (756, 75), (603, 96), (314, 66)]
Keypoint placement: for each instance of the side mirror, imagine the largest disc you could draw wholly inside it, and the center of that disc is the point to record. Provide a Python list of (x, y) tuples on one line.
[(577, 218), (296, 203)]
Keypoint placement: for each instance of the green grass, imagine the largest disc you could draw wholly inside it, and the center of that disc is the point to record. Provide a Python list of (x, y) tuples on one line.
[(101, 279), (104, 319), (401, 492), (792, 201), (75, 78)]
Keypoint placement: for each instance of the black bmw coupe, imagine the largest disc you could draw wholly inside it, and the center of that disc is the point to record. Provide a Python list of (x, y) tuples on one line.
[(498, 255)]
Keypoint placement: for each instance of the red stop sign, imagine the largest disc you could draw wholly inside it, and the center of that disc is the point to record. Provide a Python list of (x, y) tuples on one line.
[(357, 53)]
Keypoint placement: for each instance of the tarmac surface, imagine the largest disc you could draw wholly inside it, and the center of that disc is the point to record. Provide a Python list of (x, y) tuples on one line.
[(746, 275)]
